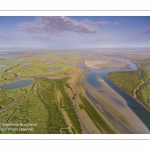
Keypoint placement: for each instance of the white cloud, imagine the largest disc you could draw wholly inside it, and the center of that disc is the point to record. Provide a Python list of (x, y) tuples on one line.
[(55, 25)]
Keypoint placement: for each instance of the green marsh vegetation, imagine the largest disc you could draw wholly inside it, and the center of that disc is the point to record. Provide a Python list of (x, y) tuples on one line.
[(47, 93), (38, 102), (40, 66), (129, 81), (67, 104), (38, 106), (143, 94)]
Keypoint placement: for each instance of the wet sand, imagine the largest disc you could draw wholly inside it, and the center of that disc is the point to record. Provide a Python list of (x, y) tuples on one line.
[(105, 63), (109, 103), (114, 107), (75, 82)]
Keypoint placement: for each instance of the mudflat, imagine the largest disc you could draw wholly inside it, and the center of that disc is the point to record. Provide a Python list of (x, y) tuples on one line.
[(105, 63)]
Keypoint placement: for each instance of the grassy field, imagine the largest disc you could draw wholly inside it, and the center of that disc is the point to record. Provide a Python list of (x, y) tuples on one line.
[(37, 103), (39, 107), (39, 65), (95, 116), (8, 96), (128, 81), (47, 93), (67, 105), (143, 94)]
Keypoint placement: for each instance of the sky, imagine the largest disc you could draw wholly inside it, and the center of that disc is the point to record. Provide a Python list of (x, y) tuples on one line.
[(74, 32)]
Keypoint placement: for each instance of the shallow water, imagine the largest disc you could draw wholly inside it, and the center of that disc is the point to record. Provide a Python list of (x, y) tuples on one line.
[(132, 65), (70, 63), (18, 84), (1, 66), (142, 113)]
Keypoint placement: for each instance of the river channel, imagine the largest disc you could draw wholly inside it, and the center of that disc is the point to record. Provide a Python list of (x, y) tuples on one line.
[(142, 113)]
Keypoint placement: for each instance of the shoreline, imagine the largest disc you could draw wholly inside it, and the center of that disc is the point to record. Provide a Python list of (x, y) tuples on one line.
[(139, 121), (117, 108), (147, 108)]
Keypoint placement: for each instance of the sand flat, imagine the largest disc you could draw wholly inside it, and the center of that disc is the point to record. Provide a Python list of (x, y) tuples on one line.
[(105, 63), (111, 102), (76, 78)]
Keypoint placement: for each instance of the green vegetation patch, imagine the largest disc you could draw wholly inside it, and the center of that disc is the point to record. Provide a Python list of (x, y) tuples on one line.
[(143, 94), (66, 103), (95, 116), (47, 94), (5, 76), (8, 96), (39, 107), (28, 110), (128, 81)]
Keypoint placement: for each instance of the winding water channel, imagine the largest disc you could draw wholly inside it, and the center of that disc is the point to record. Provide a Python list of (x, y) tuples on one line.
[(142, 113)]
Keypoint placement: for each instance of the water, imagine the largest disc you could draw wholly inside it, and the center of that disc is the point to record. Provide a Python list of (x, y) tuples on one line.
[(49, 62), (92, 79), (26, 64), (1, 66), (80, 66), (135, 106), (132, 65), (18, 84), (55, 68), (70, 63)]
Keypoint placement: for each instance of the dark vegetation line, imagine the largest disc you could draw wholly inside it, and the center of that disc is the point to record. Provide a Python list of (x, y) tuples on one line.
[(12, 114)]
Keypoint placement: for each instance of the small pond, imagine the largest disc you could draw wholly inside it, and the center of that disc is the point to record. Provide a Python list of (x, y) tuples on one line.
[(1, 66), (49, 62), (18, 84), (70, 63)]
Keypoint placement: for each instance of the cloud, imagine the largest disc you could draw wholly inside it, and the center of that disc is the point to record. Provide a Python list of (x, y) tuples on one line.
[(55, 25), (100, 23), (146, 31)]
